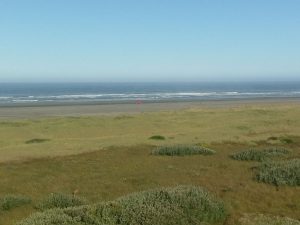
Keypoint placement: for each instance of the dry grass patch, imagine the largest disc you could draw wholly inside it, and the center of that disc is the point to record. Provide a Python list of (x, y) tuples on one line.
[(260, 219)]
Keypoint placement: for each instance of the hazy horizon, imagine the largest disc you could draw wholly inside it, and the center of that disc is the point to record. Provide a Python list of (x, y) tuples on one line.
[(149, 41)]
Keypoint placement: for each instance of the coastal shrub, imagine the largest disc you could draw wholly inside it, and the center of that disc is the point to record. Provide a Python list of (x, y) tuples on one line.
[(259, 154), (282, 139), (182, 205), (179, 205), (280, 172), (260, 219), (8, 202), (286, 140), (181, 150), (51, 217), (59, 200), (157, 137), (36, 140), (273, 138)]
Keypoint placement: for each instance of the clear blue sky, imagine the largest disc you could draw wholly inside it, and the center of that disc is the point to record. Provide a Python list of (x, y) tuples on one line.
[(149, 40)]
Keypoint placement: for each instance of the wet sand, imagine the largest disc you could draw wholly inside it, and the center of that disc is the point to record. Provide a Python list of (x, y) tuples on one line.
[(37, 111)]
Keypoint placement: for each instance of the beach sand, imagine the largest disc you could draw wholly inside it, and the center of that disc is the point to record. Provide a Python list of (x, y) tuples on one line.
[(39, 111)]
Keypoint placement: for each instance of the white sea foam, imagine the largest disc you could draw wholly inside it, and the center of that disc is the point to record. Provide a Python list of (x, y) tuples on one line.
[(154, 96)]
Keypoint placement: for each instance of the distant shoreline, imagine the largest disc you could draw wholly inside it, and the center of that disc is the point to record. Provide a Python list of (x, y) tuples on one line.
[(137, 101), (29, 111)]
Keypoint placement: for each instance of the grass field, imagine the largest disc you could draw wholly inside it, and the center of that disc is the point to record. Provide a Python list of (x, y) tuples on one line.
[(106, 157)]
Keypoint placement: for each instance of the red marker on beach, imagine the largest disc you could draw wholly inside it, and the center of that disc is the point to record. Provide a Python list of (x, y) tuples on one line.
[(138, 102)]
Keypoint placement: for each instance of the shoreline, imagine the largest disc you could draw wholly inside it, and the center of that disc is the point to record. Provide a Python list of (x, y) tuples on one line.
[(29, 111)]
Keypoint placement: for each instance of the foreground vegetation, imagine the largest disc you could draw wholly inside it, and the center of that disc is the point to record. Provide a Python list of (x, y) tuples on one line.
[(60, 200), (118, 171), (11, 201), (165, 206), (280, 172), (260, 154), (181, 150), (42, 156)]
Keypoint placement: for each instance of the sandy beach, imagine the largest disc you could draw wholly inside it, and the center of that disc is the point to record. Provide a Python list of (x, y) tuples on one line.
[(39, 111)]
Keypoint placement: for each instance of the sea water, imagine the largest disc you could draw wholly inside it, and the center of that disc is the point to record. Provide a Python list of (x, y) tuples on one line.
[(64, 93)]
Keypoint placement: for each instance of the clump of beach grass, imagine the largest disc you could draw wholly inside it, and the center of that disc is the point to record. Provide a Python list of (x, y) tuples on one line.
[(36, 141), (259, 154), (60, 200), (261, 219), (11, 201), (182, 150), (280, 172), (182, 205), (157, 137)]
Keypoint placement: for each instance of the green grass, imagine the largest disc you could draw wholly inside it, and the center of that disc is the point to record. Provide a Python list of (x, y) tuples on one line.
[(12, 201), (109, 174), (107, 157), (182, 150), (280, 172), (74, 135), (157, 137), (260, 154), (165, 206), (60, 200)]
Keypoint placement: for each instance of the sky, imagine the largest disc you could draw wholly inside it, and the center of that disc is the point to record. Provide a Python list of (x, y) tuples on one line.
[(149, 40)]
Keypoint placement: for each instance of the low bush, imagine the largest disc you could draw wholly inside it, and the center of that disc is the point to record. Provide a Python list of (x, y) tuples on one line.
[(157, 137), (51, 217), (36, 140), (273, 138), (286, 140), (181, 150), (182, 205), (59, 200), (8, 202), (260, 219), (259, 154), (280, 172)]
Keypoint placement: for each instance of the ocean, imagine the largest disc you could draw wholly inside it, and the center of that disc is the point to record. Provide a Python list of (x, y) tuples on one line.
[(97, 93)]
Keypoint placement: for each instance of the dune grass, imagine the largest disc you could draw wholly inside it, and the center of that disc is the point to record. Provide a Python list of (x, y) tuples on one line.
[(260, 154), (12, 201), (164, 206), (182, 150), (280, 172)]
